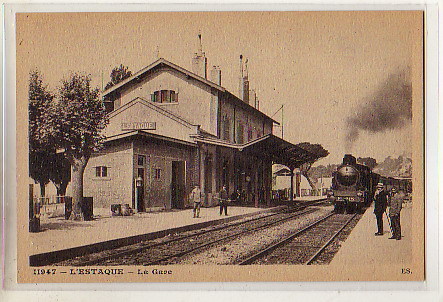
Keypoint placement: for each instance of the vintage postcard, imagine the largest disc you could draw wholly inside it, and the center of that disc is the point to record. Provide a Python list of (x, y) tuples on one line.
[(220, 146)]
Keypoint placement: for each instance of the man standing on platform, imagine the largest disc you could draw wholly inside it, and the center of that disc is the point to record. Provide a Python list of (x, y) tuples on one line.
[(380, 204), (196, 198), (223, 198), (395, 206)]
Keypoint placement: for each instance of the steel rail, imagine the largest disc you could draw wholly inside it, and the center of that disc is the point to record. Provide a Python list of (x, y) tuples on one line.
[(272, 247), (147, 246), (314, 257), (182, 253)]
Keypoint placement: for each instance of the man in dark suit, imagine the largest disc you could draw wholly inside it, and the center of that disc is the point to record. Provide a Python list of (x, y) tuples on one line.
[(380, 203), (223, 198), (395, 205)]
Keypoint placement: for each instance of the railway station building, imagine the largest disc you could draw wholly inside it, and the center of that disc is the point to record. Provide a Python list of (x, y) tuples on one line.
[(170, 129)]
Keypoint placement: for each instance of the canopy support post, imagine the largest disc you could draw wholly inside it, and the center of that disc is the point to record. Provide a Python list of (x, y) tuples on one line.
[(292, 184)]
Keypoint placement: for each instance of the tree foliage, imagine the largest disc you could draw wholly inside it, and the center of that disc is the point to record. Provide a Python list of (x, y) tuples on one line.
[(39, 108), (117, 75), (77, 128), (395, 167), (367, 161), (323, 171), (316, 151), (73, 125), (79, 117)]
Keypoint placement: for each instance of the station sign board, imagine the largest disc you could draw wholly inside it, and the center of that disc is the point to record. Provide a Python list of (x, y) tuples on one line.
[(138, 126)]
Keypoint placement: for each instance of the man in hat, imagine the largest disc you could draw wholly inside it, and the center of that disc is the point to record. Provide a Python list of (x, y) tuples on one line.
[(196, 198), (223, 198), (395, 206), (380, 203)]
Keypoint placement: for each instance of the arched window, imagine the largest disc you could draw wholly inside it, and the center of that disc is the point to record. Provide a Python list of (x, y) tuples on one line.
[(164, 96)]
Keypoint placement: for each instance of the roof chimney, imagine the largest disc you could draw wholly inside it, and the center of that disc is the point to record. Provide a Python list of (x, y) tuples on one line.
[(244, 82), (253, 98), (216, 75), (199, 61)]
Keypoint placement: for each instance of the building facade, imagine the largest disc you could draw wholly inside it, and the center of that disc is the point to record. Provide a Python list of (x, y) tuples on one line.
[(171, 129)]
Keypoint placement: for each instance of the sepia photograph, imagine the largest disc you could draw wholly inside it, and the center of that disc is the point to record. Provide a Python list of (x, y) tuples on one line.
[(220, 146)]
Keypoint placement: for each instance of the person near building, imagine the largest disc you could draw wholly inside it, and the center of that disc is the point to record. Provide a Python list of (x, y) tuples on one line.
[(395, 206), (381, 197), (196, 198), (235, 197), (223, 198), (330, 196)]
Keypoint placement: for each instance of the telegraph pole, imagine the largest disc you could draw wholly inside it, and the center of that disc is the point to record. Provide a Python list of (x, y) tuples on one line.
[(281, 108), (282, 121)]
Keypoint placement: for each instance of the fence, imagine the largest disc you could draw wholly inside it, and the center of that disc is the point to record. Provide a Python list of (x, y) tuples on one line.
[(50, 200)]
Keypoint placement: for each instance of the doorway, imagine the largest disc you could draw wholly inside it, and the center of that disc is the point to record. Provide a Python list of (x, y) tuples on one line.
[(140, 190), (178, 184)]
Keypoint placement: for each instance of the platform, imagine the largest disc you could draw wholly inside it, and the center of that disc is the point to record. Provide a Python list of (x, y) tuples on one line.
[(60, 234), (362, 247)]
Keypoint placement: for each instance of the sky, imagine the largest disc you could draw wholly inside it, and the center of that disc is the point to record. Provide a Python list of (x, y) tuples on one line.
[(326, 68)]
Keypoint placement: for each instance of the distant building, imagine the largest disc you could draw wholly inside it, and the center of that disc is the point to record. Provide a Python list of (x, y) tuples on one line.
[(323, 184)]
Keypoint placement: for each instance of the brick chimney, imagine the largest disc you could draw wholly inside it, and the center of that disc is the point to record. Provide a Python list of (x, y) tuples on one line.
[(244, 81), (216, 75), (199, 61)]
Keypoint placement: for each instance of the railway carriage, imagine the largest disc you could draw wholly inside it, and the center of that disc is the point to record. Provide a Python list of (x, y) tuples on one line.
[(400, 183)]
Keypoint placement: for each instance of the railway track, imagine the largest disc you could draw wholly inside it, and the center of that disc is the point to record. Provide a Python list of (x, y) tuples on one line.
[(160, 251), (305, 246)]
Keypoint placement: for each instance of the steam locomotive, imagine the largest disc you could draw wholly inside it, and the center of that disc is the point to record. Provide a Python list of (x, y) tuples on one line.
[(353, 185)]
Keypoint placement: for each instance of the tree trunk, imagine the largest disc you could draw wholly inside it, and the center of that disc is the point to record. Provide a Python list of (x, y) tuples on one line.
[(291, 190), (61, 188), (305, 174), (78, 167), (42, 189)]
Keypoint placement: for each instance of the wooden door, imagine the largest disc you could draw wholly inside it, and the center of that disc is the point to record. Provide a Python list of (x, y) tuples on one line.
[(178, 184)]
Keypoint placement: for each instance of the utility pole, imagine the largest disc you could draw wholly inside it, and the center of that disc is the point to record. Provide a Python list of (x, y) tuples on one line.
[(281, 108), (282, 121)]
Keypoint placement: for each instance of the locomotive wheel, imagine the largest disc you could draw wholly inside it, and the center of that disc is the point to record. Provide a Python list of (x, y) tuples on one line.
[(351, 208), (339, 208)]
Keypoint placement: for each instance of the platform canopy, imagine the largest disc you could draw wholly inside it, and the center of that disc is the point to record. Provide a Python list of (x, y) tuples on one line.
[(275, 148), (281, 151)]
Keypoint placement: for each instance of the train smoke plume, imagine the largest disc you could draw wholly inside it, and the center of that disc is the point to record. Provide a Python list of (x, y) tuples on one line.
[(389, 107)]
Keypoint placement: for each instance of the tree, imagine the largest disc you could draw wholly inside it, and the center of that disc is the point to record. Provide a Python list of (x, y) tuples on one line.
[(40, 153), (367, 161), (75, 127), (60, 173), (317, 151), (322, 171), (117, 75)]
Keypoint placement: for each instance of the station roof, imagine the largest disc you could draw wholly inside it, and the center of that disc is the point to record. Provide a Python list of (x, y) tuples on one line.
[(165, 63), (279, 150)]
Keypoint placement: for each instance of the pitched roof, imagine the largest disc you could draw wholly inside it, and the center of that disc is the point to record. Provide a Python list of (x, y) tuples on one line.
[(164, 62), (153, 106), (155, 64)]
